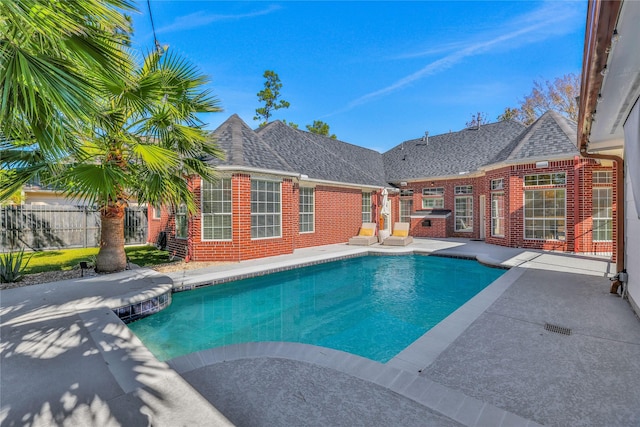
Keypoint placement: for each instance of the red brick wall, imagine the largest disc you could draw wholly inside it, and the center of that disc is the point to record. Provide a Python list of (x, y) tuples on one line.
[(338, 213), (338, 216), (578, 187)]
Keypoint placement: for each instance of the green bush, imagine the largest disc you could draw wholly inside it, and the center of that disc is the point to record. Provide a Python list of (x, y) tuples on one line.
[(11, 266)]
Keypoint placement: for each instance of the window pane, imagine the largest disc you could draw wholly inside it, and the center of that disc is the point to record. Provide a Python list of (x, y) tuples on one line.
[(545, 214), (216, 210), (464, 214), (306, 221)]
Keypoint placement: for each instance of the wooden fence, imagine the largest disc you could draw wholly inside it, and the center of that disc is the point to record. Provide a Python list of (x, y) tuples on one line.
[(39, 227)]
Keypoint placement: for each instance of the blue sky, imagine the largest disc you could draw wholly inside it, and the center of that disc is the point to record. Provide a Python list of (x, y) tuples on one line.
[(377, 72)]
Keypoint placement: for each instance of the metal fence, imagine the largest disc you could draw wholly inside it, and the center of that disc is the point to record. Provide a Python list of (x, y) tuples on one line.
[(62, 226)]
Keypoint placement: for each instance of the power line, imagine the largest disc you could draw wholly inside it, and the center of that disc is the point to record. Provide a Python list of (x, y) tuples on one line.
[(159, 48)]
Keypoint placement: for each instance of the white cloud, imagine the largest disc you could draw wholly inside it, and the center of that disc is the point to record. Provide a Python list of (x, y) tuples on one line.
[(551, 19), (200, 19)]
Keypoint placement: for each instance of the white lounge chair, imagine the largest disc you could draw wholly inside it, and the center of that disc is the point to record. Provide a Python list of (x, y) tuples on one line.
[(400, 235), (366, 236)]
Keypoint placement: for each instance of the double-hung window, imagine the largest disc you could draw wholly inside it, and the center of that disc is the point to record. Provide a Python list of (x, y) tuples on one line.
[(366, 207), (497, 207), (545, 208), (464, 209), (306, 210), (433, 198), (216, 210), (266, 209), (181, 222), (406, 206), (602, 206), (497, 214)]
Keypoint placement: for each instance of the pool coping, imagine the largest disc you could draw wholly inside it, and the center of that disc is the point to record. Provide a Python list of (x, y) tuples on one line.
[(401, 373), (439, 398)]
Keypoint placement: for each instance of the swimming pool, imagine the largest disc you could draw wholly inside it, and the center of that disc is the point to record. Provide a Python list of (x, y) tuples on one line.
[(372, 306)]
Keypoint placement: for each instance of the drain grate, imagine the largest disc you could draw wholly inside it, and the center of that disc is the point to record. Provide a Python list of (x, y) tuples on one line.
[(557, 329)]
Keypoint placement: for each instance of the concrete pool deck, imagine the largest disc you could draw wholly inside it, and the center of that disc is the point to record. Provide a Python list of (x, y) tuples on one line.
[(66, 359)]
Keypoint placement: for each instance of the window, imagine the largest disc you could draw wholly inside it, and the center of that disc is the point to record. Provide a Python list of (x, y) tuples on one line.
[(602, 214), (545, 179), (602, 177), (544, 214), (497, 214), (216, 210), (497, 184), (406, 206), (366, 207), (306, 210), (434, 191), (156, 212), (433, 203), (464, 189), (266, 219), (181, 222), (406, 192), (464, 214), (432, 198)]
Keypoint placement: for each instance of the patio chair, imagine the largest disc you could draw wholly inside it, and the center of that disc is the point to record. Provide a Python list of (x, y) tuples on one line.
[(400, 235), (366, 236)]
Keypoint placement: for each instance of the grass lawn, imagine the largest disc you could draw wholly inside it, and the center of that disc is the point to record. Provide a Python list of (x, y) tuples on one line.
[(67, 259)]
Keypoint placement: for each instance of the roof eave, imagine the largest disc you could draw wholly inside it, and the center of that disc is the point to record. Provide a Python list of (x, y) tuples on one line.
[(601, 21)]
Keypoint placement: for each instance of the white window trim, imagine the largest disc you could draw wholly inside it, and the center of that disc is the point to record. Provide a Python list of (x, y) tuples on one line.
[(524, 215), (369, 209), (202, 214), (497, 188), (498, 193), (610, 219), (433, 198), (433, 191), (455, 214), (313, 212), (463, 190), (279, 182)]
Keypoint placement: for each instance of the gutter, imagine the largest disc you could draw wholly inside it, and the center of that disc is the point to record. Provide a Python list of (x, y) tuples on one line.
[(299, 176), (602, 17)]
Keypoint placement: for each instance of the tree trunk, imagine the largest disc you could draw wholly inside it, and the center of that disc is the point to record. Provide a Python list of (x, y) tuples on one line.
[(112, 257)]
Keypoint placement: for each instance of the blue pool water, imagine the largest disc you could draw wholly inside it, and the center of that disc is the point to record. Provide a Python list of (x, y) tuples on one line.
[(372, 306)]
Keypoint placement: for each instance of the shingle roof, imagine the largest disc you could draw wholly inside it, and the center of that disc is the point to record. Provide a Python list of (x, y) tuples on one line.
[(450, 153), (279, 147), (549, 136), (321, 157), (243, 147)]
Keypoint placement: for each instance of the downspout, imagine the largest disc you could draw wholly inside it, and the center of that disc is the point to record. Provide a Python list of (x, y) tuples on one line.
[(577, 218), (602, 17)]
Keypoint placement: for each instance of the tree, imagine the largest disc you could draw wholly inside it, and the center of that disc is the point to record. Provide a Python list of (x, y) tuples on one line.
[(48, 50), (559, 95), (143, 144), (270, 96), (321, 128), (509, 114), (477, 120), (291, 124)]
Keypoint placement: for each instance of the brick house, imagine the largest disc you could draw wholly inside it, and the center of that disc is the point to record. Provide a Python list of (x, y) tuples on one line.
[(508, 184)]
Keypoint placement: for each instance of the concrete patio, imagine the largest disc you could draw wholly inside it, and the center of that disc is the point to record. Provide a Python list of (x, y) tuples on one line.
[(66, 359)]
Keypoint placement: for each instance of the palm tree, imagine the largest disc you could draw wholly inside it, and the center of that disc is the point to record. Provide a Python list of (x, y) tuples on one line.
[(143, 144), (48, 50)]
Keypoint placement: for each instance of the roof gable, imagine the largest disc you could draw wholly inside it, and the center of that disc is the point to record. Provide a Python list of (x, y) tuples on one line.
[(550, 136), (244, 147)]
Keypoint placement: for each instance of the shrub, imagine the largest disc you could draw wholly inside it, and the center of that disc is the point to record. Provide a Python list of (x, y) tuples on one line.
[(11, 266)]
